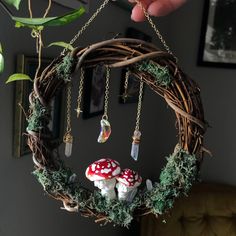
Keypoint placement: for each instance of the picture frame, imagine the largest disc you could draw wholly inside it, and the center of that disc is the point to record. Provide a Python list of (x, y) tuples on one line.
[(133, 82), (74, 4), (218, 35), (124, 4), (28, 65), (94, 91)]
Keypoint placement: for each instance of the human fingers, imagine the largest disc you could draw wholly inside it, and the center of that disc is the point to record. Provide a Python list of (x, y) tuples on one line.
[(164, 7), (137, 12)]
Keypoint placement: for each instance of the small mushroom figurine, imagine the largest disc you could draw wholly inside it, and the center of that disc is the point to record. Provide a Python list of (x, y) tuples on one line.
[(128, 181), (103, 173)]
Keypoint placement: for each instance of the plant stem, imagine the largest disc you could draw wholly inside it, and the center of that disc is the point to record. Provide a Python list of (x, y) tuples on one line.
[(48, 8), (5, 8), (30, 9), (40, 44)]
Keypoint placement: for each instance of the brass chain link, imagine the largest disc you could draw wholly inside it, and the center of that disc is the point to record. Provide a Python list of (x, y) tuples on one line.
[(68, 108), (126, 81), (80, 92), (105, 115), (140, 98), (91, 19), (158, 33)]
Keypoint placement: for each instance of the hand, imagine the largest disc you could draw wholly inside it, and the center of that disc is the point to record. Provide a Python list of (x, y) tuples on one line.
[(155, 8)]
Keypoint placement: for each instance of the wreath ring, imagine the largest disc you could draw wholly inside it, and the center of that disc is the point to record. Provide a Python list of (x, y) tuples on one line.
[(159, 70)]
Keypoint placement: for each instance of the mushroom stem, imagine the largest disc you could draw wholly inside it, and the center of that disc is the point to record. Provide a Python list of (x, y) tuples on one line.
[(127, 196), (126, 193), (107, 187), (109, 193)]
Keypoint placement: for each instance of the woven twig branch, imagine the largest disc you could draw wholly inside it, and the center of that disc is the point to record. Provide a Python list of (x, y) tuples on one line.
[(181, 93)]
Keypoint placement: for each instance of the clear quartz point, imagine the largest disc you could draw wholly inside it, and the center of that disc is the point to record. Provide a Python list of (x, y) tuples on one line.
[(135, 145), (68, 140), (68, 149), (149, 185)]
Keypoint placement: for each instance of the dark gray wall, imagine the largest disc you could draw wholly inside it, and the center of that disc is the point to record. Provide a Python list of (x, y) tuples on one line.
[(218, 93), (25, 210)]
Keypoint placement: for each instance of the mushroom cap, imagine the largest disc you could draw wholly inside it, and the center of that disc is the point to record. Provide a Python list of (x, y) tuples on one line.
[(129, 178), (103, 169)]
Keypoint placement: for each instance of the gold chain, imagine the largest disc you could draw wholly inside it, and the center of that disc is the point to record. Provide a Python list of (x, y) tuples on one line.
[(139, 105), (125, 95), (105, 115), (126, 81), (68, 109), (158, 33), (80, 92), (91, 19)]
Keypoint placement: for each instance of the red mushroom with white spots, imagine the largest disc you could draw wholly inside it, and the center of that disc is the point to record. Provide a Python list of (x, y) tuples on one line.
[(128, 181), (103, 173)]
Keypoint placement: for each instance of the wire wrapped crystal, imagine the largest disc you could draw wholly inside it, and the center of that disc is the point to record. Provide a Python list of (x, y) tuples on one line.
[(68, 140), (105, 131), (135, 145)]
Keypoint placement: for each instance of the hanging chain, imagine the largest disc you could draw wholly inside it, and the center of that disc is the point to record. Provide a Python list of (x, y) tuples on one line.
[(68, 138), (68, 109), (91, 19), (140, 98), (105, 115), (126, 81), (80, 92), (158, 33), (125, 95)]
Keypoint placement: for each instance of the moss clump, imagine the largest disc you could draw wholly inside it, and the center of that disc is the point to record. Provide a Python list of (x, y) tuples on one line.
[(176, 178), (39, 118), (160, 73), (119, 212), (54, 181), (64, 68)]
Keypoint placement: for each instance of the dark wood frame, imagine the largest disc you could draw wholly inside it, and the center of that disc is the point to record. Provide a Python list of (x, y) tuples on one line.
[(202, 42), (124, 4), (22, 89), (89, 92)]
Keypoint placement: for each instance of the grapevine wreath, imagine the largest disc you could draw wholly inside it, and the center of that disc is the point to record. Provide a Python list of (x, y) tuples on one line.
[(160, 72)]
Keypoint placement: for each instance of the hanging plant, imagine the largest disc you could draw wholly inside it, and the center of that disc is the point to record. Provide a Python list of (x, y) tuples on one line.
[(37, 25)]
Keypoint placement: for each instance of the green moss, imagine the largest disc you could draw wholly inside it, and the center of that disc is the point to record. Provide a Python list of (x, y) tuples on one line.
[(176, 178), (64, 68), (160, 73), (39, 117), (54, 181)]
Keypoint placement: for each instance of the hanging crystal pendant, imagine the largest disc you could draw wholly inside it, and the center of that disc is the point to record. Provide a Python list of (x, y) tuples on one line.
[(135, 145), (68, 140), (105, 131)]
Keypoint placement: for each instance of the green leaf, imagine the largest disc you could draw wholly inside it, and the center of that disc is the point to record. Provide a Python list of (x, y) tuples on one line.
[(1, 60), (16, 77), (15, 3), (1, 63), (62, 44), (49, 21)]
